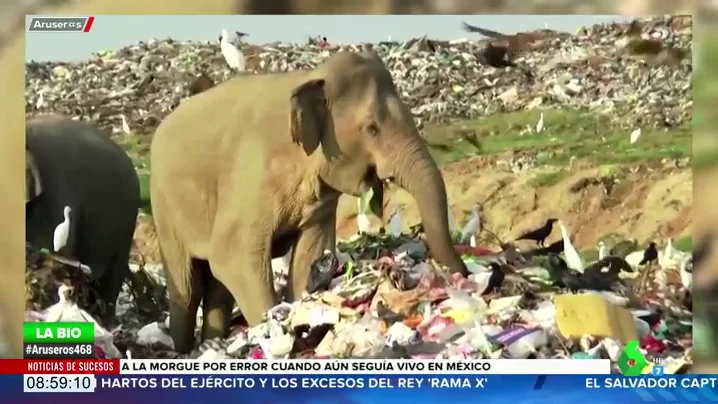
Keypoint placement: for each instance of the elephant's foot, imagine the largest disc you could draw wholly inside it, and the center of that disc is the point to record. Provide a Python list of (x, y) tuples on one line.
[(217, 309), (182, 325)]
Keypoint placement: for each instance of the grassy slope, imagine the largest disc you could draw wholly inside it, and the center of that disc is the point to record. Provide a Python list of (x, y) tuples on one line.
[(567, 133)]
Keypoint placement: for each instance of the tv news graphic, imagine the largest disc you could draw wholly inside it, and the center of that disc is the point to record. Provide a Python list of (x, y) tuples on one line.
[(362, 367), (58, 340), (376, 381), (58, 383), (61, 24), (632, 362)]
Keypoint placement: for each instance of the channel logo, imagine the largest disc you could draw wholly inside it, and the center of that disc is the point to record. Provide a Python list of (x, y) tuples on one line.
[(633, 363)]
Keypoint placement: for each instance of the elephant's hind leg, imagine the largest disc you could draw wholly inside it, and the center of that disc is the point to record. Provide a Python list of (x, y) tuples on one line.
[(184, 303), (217, 305), (110, 285)]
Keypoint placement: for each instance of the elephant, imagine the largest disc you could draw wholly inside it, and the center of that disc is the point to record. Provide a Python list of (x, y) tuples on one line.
[(71, 163), (256, 165)]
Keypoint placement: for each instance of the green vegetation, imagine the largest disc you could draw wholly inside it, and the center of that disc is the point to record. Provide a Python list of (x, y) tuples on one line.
[(684, 243), (567, 134), (138, 150)]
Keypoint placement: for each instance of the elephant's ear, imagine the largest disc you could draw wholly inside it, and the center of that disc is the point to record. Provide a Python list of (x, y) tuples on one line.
[(33, 183), (376, 203), (308, 115)]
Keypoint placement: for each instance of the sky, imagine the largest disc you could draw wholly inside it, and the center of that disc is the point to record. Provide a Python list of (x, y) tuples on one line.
[(113, 32)]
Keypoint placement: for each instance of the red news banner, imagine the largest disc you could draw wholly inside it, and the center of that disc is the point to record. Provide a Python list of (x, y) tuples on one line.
[(59, 366)]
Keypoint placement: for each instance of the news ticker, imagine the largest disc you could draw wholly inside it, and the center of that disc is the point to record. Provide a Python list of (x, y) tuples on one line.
[(304, 367), (58, 340)]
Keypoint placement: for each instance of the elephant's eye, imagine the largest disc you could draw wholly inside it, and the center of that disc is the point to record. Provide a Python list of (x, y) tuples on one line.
[(373, 129)]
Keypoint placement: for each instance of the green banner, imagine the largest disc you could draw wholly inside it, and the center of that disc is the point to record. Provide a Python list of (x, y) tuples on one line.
[(58, 332)]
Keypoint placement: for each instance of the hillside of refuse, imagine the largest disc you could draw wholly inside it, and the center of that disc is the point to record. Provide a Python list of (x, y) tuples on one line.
[(441, 81)]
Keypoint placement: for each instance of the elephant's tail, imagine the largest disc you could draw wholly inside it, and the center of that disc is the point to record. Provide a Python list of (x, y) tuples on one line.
[(176, 260)]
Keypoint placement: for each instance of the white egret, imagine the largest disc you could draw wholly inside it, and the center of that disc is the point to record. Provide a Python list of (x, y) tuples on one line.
[(635, 135), (66, 310), (280, 270), (573, 260), (233, 56), (671, 256), (539, 124), (395, 222), (125, 125), (452, 221), (362, 218), (472, 241), (473, 225), (634, 259), (40, 100), (59, 238), (687, 272), (602, 250)]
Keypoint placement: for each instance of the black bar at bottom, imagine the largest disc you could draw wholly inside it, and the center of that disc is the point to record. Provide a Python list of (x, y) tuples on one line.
[(58, 351)]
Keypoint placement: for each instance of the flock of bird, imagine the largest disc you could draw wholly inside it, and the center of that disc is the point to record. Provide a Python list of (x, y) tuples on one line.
[(567, 273)]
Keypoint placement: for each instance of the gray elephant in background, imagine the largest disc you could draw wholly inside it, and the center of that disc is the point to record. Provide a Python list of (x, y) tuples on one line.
[(71, 163)]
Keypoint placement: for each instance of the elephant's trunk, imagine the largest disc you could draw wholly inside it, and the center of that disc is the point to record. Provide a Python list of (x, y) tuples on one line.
[(417, 173)]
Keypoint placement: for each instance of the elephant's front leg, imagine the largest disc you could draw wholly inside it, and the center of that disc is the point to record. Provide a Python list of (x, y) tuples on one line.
[(241, 260), (312, 242)]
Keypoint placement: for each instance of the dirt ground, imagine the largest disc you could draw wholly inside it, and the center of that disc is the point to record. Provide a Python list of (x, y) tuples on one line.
[(640, 202)]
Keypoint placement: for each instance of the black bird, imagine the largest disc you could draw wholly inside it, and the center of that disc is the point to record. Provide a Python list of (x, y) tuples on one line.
[(200, 84), (540, 234), (496, 56), (571, 281), (597, 280), (322, 272), (556, 266), (556, 248), (483, 31), (650, 255), (611, 264), (495, 280), (565, 278)]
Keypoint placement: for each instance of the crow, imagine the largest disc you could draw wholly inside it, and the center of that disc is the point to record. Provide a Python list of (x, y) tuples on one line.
[(593, 278), (571, 281), (200, 84), (610, 264), (495, 280), (650, 255), (556, 248), (322, 272), (556, 266), (540, 234), (597, 280)]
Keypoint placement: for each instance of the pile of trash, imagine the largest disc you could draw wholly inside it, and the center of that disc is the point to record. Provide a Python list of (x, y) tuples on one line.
[(638, 74), (382, 296)]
